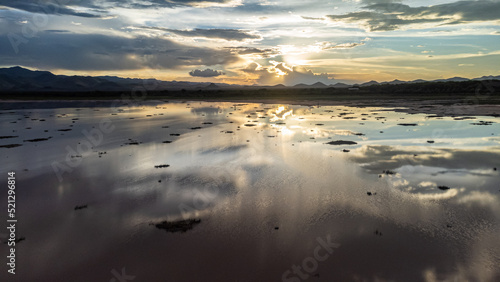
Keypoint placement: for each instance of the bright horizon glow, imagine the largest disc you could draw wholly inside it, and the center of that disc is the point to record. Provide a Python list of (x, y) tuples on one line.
[(256, 42)]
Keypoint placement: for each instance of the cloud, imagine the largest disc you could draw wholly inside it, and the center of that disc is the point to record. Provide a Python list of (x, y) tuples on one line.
[(226, 34), (370, 2), (47, 7), (65, 7), (205, 73), (378, 158), (480, 198), (313, 18), (67, 51), (373, 21), (261, 53), (195, 3), (252, 68), (57, 30), (280, 73), (316, 47), (330, 46), (387, 16)]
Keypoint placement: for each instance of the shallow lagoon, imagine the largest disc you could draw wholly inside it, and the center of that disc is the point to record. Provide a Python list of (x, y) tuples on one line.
[(266, 187)]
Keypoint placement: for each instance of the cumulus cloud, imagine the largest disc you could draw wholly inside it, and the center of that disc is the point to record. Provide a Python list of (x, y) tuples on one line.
[(387, 15), (68, 51), (280, 73), (226, 34), (205, 73)]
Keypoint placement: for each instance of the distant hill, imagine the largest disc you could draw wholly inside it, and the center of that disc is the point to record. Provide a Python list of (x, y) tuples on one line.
[(454, 79), (319, 85), (314, 85), (212, 86), (18, 79), (489, 77), (436, 87), (341, 85), (301, 85), (19, 72), (370, 83), (279, 86), (394, 82)]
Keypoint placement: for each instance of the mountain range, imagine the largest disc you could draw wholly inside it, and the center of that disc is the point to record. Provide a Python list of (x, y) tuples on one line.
[(21, 79), (18, 79)]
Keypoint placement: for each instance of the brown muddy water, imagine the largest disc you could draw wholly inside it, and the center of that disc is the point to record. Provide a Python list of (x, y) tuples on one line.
[(207, 191)]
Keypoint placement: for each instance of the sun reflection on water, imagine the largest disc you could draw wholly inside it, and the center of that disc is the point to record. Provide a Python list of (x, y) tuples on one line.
[(280, 114)]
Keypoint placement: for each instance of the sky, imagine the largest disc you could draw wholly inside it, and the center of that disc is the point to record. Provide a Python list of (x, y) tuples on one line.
[(254, 41)]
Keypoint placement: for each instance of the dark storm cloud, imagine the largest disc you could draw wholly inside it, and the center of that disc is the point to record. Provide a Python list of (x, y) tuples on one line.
[(386, 15), (226, 34), (165, 4), (52, 50), (57, 30), (66, 7), (56, 7), (188, 2), (205, 73)]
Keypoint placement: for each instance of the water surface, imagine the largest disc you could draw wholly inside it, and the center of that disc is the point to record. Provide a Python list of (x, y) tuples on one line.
[(264, 183)]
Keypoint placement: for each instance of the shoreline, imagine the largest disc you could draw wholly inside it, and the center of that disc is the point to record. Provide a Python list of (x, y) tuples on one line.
[(438, 108)]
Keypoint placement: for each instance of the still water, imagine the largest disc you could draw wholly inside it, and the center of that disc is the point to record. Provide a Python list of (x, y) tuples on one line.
[(251, 192)]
